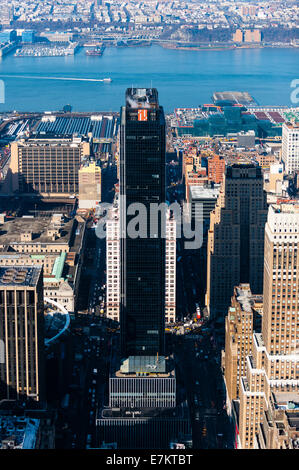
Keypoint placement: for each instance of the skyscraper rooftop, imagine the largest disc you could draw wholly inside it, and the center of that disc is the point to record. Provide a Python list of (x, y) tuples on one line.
[(142, 98), (19, 276)]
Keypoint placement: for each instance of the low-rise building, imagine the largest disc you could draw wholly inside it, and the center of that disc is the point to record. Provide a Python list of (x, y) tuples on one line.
[(34, 430), (216, 168), (279, 428), (90, 185), (55, 243)]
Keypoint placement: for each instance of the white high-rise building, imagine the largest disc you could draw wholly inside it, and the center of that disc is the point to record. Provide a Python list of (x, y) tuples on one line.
[(6, 14), (290, 146), (170, 274), (113, 267)]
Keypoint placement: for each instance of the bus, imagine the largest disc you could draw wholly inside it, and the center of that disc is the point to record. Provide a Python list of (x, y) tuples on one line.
[(198, 314)]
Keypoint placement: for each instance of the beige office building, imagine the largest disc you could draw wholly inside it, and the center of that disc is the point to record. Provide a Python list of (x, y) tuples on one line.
[(236, 237), (274, 179), (22, 364), (290, 146), (90, 186), (238, 339), (273, 366), (49, 167)]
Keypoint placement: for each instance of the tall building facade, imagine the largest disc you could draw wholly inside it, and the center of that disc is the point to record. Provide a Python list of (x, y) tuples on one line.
[(22, 365), (290, 146), (6, 14), (203, 201), (170, 269), (252, 35), (238, 36), (272, 370), (238, 339), (90, 185), (113, 264), (113, 267), (47, 166), (236, 237), (142, 181), (216, 168), (143, 411)]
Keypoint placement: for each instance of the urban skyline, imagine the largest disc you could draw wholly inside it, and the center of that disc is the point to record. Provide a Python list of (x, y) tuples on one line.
[(207, 191), (148, 259)]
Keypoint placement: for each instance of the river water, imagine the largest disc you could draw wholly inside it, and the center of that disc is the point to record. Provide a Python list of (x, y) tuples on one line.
[(183, 78)]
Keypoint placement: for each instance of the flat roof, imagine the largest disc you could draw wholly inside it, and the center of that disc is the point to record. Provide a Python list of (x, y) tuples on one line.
[(292, 125), (291, 207), (142, 367), (287, 397), (11, 230), (17, 432), (19, 276), (139, 364), (51, 141), (141, 97), (244, 297), (200, 192), (242, 97)]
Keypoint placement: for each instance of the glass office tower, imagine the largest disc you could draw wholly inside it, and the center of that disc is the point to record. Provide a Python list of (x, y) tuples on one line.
[(142, 180)]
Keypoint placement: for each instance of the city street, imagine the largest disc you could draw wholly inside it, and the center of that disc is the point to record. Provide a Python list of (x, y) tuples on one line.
[(205, 391)]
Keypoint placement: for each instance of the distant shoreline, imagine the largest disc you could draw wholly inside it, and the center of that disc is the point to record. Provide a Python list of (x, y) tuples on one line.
[(206, 47), (227, 48), (212, 47), (169, 46)]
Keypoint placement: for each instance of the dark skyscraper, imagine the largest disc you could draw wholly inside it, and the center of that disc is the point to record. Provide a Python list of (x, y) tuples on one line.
[(144, 410), (142, 180)]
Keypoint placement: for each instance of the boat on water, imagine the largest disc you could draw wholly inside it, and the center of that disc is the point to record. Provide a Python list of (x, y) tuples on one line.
[(107, 80), (97, 51)]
